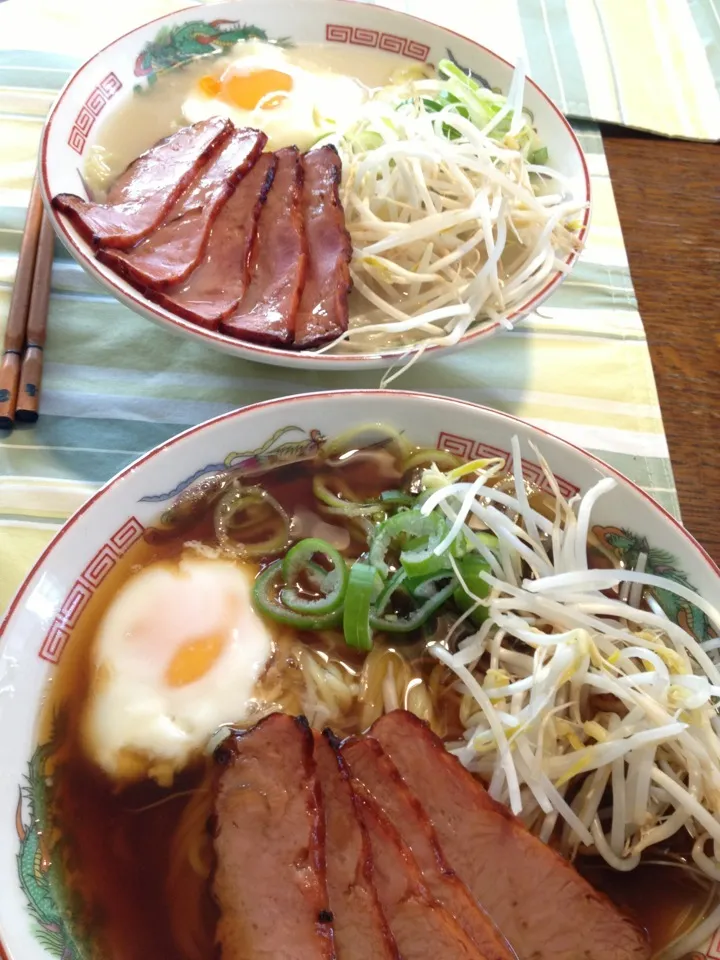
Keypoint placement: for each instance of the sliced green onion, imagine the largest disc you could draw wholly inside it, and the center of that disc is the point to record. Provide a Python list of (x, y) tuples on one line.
[(234, 503), (333, 584), (471, 569), (367, 435), (442, 459), (266, 602), (452, 70), (539, 156), (318, 576), (351, 508), (394, 624), (397, 498), (420, 560), (393, 584), (364, 584), (473, 466), (409, 524), (489, 539), (446, 99), (424, 587)]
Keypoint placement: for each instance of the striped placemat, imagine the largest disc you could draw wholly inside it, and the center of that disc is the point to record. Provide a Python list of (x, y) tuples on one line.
[(116, 385), (650, 64)]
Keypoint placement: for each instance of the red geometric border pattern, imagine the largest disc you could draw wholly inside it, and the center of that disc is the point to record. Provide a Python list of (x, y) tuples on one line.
[(713, 952), (90, 110), (475, 449), (86, 584), (362, 37)]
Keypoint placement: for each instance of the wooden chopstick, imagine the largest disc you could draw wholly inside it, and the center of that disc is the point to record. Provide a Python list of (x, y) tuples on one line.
[(17, 317), (28, 396), (22, 359)]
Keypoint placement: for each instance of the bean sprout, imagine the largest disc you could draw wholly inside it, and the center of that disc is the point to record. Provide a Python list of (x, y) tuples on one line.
[(575, 696), (454, 217)]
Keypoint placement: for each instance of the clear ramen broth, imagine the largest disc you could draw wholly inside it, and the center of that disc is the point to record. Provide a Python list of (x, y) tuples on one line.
[(137, 858), (150, 114)]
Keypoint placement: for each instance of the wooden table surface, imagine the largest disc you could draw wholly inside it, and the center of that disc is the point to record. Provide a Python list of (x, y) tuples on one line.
[(668, 198)]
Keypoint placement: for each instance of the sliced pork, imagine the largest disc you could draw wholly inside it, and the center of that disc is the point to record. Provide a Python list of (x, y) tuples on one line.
[(369, 763), (423, 929), (268, 311), (174, 249), (269, 880), (216, 286), (142, 196), (539, 901), (361, 930), (323, 311)]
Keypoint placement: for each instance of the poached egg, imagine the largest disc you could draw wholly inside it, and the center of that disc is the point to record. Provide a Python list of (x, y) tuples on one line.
[(176, 656), (265, 88)]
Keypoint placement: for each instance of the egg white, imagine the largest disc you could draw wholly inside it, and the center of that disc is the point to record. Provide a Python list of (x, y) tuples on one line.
[(319, 103), (137, 723)]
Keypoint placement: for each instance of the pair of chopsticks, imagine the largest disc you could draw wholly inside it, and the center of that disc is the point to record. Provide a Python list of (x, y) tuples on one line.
[(22, 359)]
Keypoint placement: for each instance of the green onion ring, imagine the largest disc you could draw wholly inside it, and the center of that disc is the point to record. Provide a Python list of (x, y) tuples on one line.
[(401, 526), (418, 617), (234, 502), (333, 584), (395, 581), (350, 508), (266, 584), (471, 568), (364, 584)]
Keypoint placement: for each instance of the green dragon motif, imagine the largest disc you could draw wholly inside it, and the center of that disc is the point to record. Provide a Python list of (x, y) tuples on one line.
[(176, 45), (627, 546), (40, 874)]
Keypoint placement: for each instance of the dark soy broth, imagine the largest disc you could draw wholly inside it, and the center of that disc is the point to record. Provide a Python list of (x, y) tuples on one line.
[(118, 844), (661, 895)]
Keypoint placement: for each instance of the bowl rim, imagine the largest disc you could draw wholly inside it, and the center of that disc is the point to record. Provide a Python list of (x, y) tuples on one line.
[(292, 358), (358, 394)]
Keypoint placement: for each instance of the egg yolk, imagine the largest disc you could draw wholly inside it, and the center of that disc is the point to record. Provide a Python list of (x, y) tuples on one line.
[(248, 90), (193, 660)]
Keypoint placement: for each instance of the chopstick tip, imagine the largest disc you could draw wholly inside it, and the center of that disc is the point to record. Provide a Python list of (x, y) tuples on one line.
[(25, 416)]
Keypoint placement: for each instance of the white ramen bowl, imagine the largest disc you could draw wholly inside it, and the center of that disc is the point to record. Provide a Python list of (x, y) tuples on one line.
[(107, 81), (40, 621)]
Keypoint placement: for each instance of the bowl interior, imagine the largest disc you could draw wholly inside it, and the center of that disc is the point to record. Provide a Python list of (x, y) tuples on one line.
[(40, 622), (115, 75)]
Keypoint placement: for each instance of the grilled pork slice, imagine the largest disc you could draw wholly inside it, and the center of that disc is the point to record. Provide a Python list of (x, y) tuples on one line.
[(361, 931), (170, 253), (218, 283), (541, 904), (369, 763), (267, 312), (323, 311), (269, 841), (142, 196), (423, 929)]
